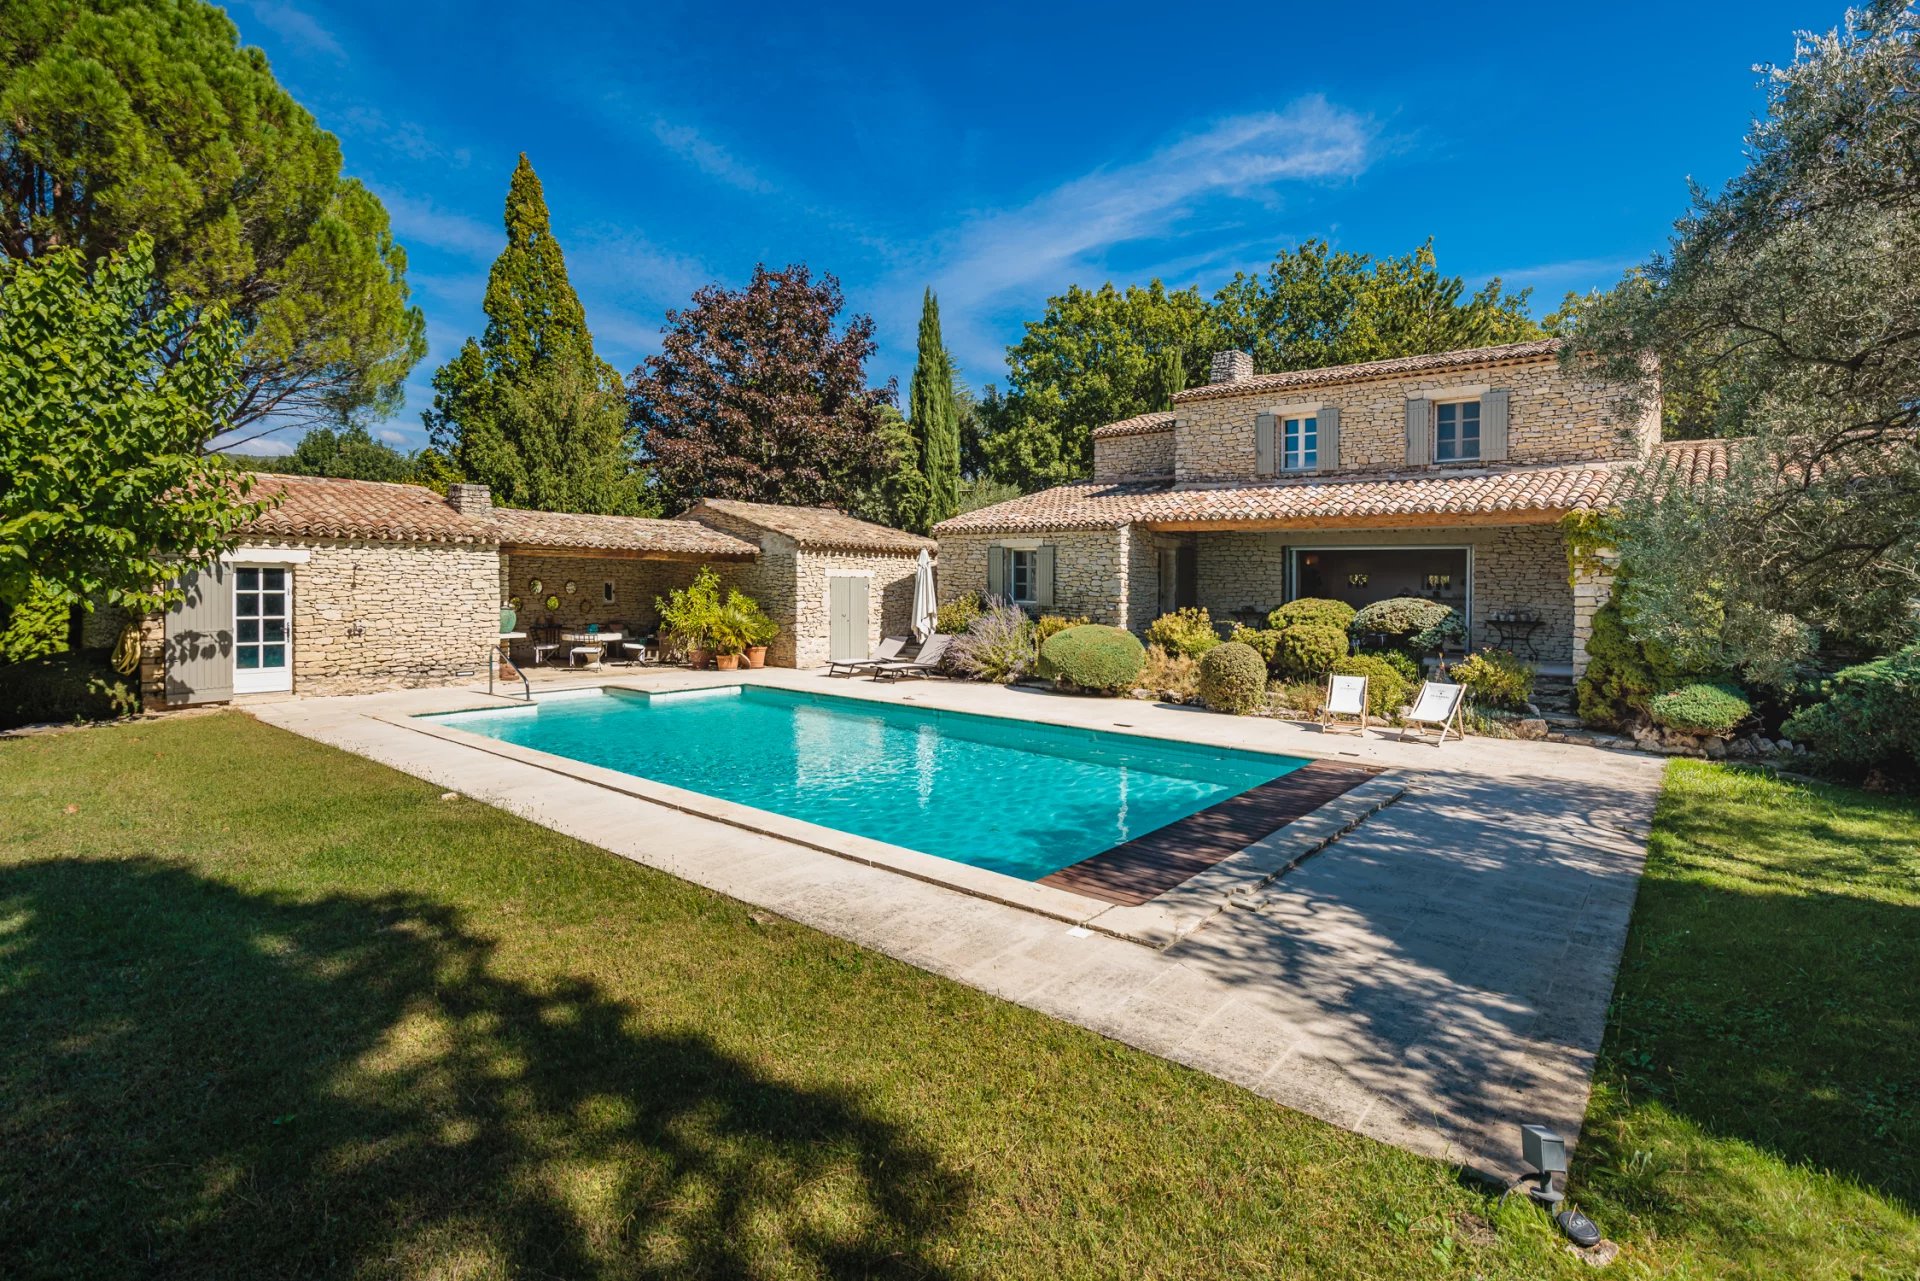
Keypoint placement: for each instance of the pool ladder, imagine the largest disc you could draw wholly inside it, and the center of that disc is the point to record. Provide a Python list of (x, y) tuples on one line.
[(493, 663)]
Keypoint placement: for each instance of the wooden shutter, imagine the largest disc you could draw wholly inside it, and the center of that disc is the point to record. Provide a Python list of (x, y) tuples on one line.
[(1329, 459), (996, 573), (1043, 576), (1493, 426), (199, 644), (1419, 432), (1264, 449)]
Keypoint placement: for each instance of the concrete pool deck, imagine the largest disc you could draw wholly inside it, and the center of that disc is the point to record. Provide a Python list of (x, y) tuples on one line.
[(1434, 977)]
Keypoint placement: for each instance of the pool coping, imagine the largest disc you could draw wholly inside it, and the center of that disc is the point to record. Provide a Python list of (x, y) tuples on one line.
[(1159, 923)]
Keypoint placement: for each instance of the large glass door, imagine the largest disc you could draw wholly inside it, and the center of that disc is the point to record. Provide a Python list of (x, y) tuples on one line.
[(262, 629)]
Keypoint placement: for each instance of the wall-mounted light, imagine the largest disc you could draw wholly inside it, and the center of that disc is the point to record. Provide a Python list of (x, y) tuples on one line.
[(1356, 580), (1438, 582)]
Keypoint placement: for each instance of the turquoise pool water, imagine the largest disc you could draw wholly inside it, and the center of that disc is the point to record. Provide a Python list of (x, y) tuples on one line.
[(1013, 796)]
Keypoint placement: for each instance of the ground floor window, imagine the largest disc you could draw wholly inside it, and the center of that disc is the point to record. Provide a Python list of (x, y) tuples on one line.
[(1021, 577)]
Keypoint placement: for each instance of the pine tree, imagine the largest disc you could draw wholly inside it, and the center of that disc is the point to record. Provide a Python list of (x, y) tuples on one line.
[(528, 408), (934, 413)]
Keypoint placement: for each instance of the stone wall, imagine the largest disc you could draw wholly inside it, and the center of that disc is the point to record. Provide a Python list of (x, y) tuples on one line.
[(1552, 417), (1090, 570), (1142, 548), (370, 616), (1140, 456), (1522, 566), (889, 601)]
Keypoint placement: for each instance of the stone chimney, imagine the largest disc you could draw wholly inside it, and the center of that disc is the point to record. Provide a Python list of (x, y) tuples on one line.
[(470, 500), (1231, 366)]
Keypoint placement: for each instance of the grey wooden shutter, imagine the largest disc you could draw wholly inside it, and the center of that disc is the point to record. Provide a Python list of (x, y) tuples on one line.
[(996, 573), (1419, 432), (1043, 575), (199, 639), (1329, 447), (1264, 445), (1493, 426)]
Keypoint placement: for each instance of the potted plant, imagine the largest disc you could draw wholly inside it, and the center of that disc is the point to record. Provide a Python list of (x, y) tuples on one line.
[(755, 627), (691, 613)]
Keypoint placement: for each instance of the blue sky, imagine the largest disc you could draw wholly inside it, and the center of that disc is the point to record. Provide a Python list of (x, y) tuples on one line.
[(1001, 154)]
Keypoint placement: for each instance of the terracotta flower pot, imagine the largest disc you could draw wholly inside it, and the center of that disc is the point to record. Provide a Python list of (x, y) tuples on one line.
[(699, 658), (726, 662), (756, 656)]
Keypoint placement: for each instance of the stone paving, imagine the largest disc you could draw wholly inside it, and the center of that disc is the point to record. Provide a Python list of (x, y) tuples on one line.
[(1434, 978)]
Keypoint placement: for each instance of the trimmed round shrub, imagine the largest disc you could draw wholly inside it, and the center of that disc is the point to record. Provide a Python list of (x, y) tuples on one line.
[(1315, 611), (1047, 626), (1308, 651), (1870, 720), (1387, 691), (63, 689), (1494, 678), (1184, 633), (1233, 678), (1412, 622), (1399, 661), (1099, 659), (1264, 640), (1701, 709)]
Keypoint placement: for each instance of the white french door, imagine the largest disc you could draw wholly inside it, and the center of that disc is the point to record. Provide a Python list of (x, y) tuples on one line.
[(262, 628)]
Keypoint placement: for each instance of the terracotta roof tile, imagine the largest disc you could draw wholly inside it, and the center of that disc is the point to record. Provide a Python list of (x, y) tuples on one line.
[(813, 527), (617, 533), (1539, 492), (1396, 367), (318, 507), (1138, 425)]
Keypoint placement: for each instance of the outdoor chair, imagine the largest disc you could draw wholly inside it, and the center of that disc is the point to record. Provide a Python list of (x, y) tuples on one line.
[(925, 663), (1438, 707), (1345, 696), (546, 639), (888, 652)]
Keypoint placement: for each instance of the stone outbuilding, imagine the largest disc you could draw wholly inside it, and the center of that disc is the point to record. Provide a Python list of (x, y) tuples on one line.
[(348, 586)]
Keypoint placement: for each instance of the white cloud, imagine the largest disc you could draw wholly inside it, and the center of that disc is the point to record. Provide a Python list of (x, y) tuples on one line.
[(392, 435), (405, 138), (1550, 280), (295, 25), (1066, 233), (424, 222), (708, 156)]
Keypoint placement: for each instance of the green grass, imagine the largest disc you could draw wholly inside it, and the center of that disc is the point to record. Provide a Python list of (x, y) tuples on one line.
[(268, 1009)]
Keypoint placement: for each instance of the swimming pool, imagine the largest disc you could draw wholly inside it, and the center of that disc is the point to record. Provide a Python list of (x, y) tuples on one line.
[(1011, 796)]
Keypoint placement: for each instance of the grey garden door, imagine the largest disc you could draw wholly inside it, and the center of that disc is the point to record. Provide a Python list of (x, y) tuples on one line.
[(199, 640), (846, 618)]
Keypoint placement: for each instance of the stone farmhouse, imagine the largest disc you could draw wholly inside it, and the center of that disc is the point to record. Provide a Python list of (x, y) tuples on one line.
[(349, 586), (1444, 476)]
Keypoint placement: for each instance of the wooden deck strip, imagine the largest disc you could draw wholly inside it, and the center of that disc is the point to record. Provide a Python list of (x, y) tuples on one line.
[(1152, 864)]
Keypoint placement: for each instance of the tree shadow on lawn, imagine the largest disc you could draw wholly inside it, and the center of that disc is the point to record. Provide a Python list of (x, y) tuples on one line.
[(198, 1080)]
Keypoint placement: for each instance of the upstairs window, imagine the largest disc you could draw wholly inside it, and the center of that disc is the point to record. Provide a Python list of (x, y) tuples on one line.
[(1300, 449), (1456, 431)]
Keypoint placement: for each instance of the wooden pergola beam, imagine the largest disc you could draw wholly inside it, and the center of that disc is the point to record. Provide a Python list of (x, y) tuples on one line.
[(628, 553)]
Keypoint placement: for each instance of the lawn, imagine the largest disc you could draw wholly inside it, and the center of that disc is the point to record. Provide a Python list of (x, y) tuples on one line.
[(268, 1009)]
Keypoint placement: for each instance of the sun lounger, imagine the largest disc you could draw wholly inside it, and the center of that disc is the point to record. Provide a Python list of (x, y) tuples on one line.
[(926, 662), (1439, 707), (889, 651), (1345, 696)]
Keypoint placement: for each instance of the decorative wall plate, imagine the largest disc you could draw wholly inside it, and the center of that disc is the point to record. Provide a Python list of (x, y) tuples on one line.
[(533, 585), (570, 586), (553, 602), (513, 602)]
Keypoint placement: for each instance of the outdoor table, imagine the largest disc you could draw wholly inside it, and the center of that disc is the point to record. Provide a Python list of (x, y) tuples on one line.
[(1515, 631), (580, 639)]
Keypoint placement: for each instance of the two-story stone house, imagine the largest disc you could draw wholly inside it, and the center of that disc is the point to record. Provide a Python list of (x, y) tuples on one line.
[(1444, 476)]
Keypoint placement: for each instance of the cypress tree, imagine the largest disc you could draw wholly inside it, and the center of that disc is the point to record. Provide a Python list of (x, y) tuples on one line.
[(934, 414), (1172, 376), (528, 408)]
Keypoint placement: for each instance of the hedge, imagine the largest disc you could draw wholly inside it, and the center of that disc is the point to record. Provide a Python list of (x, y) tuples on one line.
[(1387, 690), (1869, 722), (1308, 651), (63, 689), (1700, 709), (1316, 611)]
